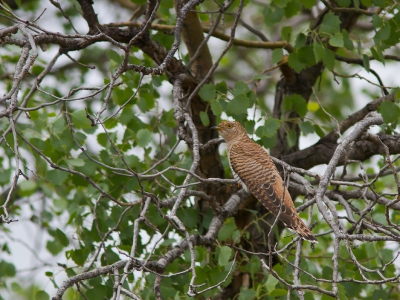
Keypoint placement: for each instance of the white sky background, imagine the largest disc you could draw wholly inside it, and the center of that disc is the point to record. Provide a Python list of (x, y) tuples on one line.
[(31, 234)]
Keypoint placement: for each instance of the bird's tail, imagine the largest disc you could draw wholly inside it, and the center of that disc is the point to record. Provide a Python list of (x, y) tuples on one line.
[(304, 232)]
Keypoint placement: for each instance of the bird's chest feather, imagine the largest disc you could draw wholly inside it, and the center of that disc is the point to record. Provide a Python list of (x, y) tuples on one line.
[(236, 176)]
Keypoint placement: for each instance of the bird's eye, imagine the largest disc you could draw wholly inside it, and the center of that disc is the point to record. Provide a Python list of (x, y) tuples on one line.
[(229, 125)]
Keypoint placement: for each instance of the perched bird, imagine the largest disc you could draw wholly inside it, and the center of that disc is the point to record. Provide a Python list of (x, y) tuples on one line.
[(254, 169)]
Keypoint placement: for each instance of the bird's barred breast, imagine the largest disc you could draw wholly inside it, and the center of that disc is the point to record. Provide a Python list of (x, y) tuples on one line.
[(254, 168), (236, 176)]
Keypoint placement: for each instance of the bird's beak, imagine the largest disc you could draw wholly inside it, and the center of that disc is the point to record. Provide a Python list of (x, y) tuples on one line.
[(215, 127)]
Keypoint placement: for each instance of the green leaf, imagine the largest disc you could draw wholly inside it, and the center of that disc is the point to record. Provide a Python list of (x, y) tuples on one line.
[(271, 126), (227, 230), (97, 293), (95, 281), (342, 292), (278, 293), (80, 137), (5, 176), (272, 15), (306, 128), (240, 88), (121, 95), (15, 287), (144, 137), (271, 283), (204, 118), (189, 217), (260, 131), (397, 96), (54, 247), (306, 55), (297, 103), (224, 255), (79, 256), (36, 70), (62, 238), (319, 51), (295, 63), (326, 297), (221, 87), (390, 111), (366, 62), (277, 56), (301, 40), (146, 100), (27, 187), (114, 56), (344, 3), (347, 42), (106, 157), (76, 162), (247, 294), (291, 138), (336, 40), (281, 3), (102, 139), (329, 59), (80, 120), (58, 126), (377, 54), (268, 142), (260, 77), (238, 105), (292, 8), (34, 115), (327, 272), (377, 21), (56, 176), (384, 33), (216, 107), (380, 294), (252, 98), (287, 103), (7, 269), (308, 3), (330, 24), (286, 33), (254, 265), (42, 295), (207, 92), (111, 123), (319, 131)]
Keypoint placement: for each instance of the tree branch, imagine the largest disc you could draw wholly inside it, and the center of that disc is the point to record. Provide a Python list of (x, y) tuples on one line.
[(228, 210), (218, 34), (322, 151)]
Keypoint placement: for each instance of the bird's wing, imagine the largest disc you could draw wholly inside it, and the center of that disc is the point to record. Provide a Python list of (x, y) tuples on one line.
[(258, 172)]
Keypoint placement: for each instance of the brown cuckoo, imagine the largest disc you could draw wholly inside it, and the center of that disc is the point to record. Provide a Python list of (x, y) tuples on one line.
[(254, 169)]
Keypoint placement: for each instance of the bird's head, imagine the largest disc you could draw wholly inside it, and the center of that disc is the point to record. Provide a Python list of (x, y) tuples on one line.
[(231, 130)]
